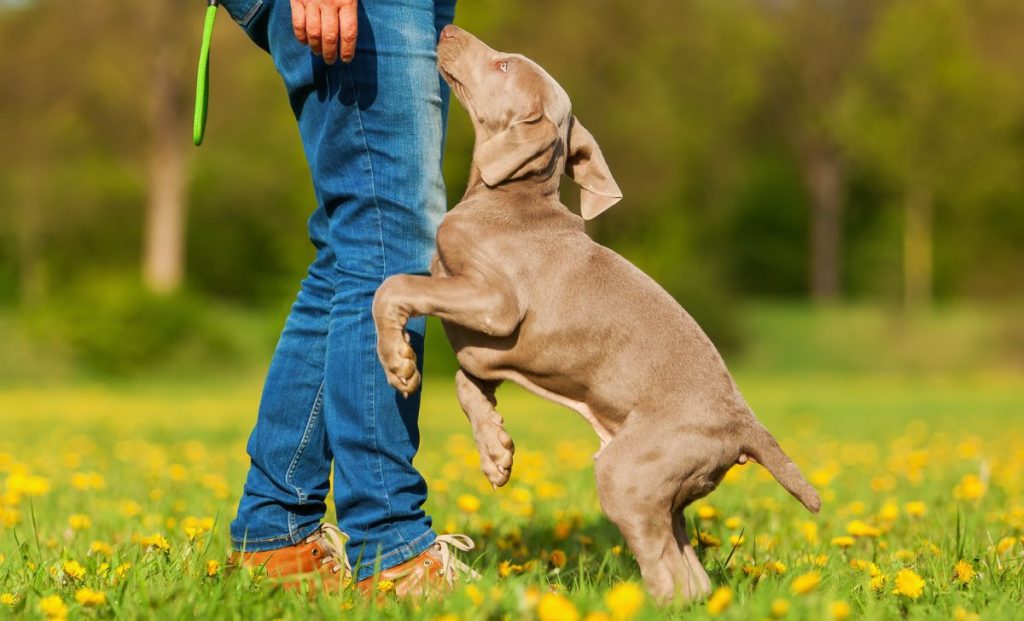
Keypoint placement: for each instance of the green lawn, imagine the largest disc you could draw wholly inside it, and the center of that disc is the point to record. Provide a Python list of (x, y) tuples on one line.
[(113, 463), (910, 429)]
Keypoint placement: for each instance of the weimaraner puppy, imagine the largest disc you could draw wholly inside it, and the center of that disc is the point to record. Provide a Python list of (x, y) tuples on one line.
[(525, 295)]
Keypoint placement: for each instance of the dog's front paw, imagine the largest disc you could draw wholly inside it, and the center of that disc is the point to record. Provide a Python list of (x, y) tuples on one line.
[(496, 449), (399, 362)]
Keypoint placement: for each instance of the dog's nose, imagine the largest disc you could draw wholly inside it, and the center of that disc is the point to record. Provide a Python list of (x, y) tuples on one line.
[(449, 31)]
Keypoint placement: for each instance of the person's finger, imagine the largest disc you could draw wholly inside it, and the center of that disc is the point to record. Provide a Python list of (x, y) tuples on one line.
[(329, 36), (299, 21), (349, 24), (313, 32)]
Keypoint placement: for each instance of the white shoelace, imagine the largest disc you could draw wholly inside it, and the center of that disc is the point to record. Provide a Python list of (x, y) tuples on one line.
[(333, 540), (451, 566)]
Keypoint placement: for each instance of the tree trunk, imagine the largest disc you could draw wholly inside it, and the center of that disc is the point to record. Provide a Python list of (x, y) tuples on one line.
[(163, 265), (917, 247), (823, 174)]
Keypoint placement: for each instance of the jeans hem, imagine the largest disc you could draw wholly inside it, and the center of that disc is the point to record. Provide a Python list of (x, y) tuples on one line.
[(273, 543), (397, 556)]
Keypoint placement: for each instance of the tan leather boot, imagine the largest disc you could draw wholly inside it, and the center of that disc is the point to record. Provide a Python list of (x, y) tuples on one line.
[(318, 561), (432, 572)]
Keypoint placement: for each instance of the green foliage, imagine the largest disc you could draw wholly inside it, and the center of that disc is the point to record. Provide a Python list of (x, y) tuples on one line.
[(115, 327), (710, 114)]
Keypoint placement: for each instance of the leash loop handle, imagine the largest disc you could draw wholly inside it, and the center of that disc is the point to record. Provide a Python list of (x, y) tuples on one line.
[(203, 76)]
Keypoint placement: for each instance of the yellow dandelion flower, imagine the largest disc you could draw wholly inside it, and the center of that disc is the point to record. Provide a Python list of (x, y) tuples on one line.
[(195, 528), (597, 615), (122, 570), (844, 541), (27, 485), (1005, 545), (554, 607), (9, 599), (915, 508), (883, 483), (877, 583), (53, 607), (822, 477), (616, 550), (776, 567), (9, 518), (100, 548), (737, 540), (734, 523), (468, 503), (909, 584), (719, 601), (562, 530), (962, 614), (129, 508), (73, 570), (810, 531), (780, 608), (860, 528), (890, 511), (78, 521), (963, 572), (805, 583), (474, 594), (971, 487), (85, 481), (624, 600), (212, 567), (707, 512), (558, 558), (507, 568), (708, 540), (817, 560), (88, 597), (155, 542), (840, 611)]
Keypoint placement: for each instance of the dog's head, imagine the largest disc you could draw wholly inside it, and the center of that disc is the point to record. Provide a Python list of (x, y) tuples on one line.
[(523, 121)]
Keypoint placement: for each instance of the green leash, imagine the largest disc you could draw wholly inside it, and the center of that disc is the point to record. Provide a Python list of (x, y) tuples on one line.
[(203, 77)]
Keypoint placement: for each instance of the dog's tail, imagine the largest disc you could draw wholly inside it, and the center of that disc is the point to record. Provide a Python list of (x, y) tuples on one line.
[(758, 443)]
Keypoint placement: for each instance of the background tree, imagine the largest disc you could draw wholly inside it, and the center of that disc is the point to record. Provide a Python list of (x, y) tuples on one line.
[(820, 43), (931, 115)]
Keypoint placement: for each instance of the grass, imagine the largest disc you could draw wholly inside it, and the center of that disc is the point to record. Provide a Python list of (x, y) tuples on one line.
[(918, 472)]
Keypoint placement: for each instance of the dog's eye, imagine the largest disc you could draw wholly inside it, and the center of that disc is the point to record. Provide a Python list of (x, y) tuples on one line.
[(502, 66)]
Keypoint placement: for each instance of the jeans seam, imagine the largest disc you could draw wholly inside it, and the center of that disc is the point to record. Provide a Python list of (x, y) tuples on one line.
[(263, 540), (251, 12), (384, 265), (293, 466)]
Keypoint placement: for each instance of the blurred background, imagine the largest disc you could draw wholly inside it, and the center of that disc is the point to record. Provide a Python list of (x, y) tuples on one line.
[(827, 185)]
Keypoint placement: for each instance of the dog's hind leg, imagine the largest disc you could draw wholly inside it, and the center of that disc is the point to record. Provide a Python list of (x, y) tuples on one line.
[(637, 482), (701, 582), (495, 445)]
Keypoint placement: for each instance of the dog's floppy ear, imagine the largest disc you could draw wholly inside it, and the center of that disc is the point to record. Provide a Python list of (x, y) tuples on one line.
[(526, 147), (587, 167)]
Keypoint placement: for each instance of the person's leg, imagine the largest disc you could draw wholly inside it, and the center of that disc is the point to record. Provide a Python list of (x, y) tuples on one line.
[(372, 132), (288, 480), (385, 212)]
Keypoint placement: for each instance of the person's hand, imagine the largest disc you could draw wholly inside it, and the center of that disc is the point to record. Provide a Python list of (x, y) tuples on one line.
[(324, 25)]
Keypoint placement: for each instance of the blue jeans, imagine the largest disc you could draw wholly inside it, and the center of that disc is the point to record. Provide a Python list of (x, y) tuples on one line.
[(372, 133)]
